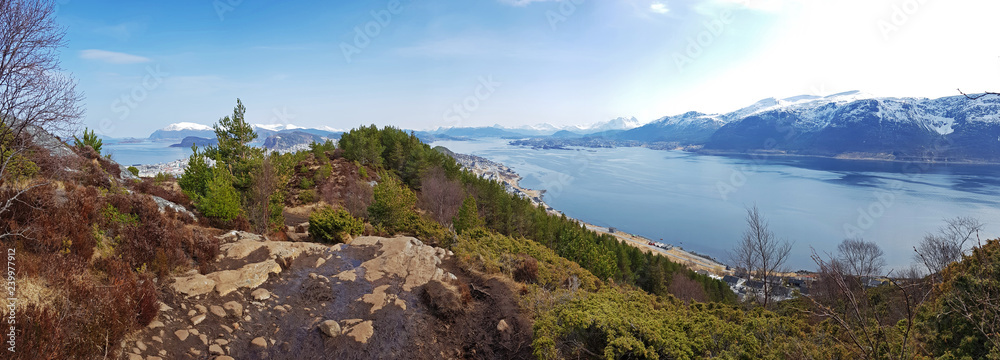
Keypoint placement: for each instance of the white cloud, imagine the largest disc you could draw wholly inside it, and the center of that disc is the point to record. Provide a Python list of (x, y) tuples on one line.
[(658, 7), (112, 57)]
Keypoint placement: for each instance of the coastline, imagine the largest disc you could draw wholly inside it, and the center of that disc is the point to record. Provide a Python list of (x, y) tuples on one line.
[(846, 156), (497, 171)]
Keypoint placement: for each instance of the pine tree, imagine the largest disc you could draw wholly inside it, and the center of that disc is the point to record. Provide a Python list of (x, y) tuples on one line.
[(196, 175), (234, 150), (468, 216)]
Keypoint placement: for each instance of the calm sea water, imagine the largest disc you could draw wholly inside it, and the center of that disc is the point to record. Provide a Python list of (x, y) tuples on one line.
[(145, 153), (698, 202)]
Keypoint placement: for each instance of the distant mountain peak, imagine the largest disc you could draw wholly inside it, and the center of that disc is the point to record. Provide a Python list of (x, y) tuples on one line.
[(276, 127), (181, 126)]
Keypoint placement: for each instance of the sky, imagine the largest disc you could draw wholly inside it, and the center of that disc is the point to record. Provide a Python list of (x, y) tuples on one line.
[(424, 64)]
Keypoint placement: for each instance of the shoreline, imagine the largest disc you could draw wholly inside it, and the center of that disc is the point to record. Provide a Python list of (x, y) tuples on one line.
[(846, 157), (489, 169)]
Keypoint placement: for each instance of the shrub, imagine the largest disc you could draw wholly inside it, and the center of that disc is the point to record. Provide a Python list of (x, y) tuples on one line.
[(394, 202), (306, 183), (494, 253), (161, 178), (526, 270), (18, 167), (323, 173), (329, 225), (221, 199), (307, 196), (362, 172), (196, 175), (134, 170)]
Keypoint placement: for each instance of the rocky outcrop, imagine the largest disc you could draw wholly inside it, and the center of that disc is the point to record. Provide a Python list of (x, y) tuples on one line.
[(305, 300), (251, 274), (163, 204)]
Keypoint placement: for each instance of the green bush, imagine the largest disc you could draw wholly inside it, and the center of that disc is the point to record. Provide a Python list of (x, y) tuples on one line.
[(493, 253), (196, 176), (134, 170), (323, 173), (307, 196), (362, 172), (319, 149), (329, 225), (161, 178), (306, 183), (18, 167), (393, 204), (221, 199), (617, 323)]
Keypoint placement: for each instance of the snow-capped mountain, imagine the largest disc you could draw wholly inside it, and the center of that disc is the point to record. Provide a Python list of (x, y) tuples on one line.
[(276, 127), (182, 126), (910, 128), (691, 127), (181, 130), (620, 123), (852, 122)]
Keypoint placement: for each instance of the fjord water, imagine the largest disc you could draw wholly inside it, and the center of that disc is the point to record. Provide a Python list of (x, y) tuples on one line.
[(698, 201)]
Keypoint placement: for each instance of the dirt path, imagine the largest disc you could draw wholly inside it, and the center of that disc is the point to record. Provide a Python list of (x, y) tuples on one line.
[(377, 298)]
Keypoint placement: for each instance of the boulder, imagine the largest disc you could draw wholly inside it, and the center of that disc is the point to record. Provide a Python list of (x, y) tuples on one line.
[(261, 294), (330, 327), (182, 334), (193, 285), (235, 308)]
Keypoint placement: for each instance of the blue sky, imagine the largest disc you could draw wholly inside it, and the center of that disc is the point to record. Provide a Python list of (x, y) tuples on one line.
[(431, 63)]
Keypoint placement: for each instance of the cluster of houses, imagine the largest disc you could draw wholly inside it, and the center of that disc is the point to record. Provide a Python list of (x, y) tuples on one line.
[(495, 171), (784, 288)]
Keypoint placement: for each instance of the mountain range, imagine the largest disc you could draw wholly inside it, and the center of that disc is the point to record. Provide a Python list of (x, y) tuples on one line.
[(850, 124)]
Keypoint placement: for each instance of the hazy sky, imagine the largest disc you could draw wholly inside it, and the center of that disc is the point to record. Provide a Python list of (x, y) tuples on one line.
[(428, 63)]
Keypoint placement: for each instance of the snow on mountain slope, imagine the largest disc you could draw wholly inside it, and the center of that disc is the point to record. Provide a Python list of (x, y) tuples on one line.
[(182, 126), (276, 127), (620, 123)]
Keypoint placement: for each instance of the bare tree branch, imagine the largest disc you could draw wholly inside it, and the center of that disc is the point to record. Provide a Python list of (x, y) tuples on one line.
[(35, 93), (977, 97)]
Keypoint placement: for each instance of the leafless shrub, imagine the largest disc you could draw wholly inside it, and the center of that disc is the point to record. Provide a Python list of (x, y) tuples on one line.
[(686, 289), (265, 184), (357, 197), (951, 242), (440, 196)]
